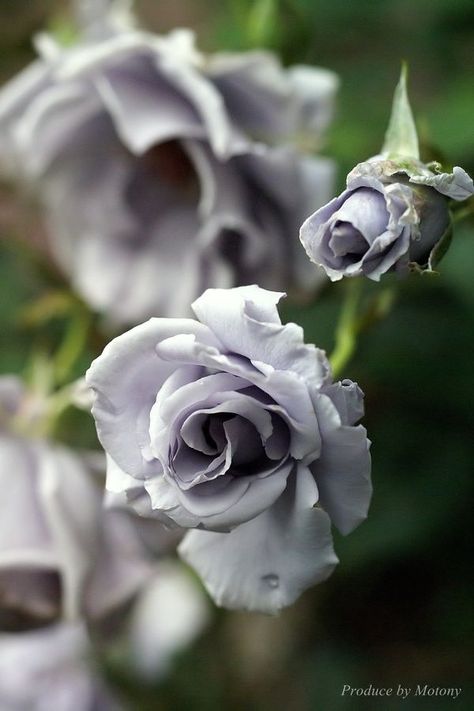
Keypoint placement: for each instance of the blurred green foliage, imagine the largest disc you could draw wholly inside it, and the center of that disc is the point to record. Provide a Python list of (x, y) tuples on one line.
[(399, 608)]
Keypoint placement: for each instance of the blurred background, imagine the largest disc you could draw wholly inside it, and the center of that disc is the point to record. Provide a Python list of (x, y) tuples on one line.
[(398, 609)]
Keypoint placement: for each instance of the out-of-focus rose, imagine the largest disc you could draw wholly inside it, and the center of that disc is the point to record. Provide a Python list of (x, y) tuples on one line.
[(392, 213), (51, 669), (232, 425), (61, 554), (162, 171), (170, 612)]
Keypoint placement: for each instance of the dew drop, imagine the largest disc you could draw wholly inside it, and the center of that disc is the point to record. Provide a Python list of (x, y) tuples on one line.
[(272, 580)]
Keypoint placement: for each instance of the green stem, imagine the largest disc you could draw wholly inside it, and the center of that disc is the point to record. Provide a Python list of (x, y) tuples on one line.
[(354, 320), (73, 344), (346, 331)]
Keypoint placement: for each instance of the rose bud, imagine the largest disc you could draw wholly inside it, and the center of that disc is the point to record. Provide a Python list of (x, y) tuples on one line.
[(394, 213)]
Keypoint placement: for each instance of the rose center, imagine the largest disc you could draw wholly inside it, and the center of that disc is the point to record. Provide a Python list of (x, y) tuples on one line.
[(215, 444)]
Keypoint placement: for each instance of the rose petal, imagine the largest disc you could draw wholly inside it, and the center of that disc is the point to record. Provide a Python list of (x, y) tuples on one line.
[(457, 185), (130, 364), (146, 110), (342, 472), (266, 564)]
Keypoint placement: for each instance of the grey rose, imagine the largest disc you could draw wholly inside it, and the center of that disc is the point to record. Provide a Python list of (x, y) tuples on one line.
[(51, 668), (153, 161), (392, 213), (61, 555), (232, 426)]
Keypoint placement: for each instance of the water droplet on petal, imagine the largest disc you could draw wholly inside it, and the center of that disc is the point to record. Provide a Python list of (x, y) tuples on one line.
[(272, 580)]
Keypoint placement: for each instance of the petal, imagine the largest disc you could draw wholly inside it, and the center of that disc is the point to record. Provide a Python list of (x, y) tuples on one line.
[(246, 321), (14, 99), (342, 472), (256, 92), (71, 505), (264, 565), (315, 91), (348, 399), (457, 185), (366, 210), (57, 504), (287, 389), (169, 614), (145, 108), (126, 379), (206, 100), (241, 499), (121, 567), (49, 123), (22, 524)]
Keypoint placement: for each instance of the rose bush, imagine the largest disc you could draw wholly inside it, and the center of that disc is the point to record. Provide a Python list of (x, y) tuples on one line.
[(152, 160), (233, 426), (392, 213), (61, 554)]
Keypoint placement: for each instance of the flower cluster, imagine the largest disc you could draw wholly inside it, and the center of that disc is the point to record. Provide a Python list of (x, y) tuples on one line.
[(173, 185)]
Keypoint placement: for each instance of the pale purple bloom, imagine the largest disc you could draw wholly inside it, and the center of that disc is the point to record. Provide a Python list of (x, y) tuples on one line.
[(231, 425), (168, 615), (163, 171), (61, 554), (393, 213), (51, 669)]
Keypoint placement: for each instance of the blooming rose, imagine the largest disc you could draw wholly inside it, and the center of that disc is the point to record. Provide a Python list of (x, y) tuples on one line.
[(154, 161), (231, 425), (61, 555), (51, 669), (392, 213)]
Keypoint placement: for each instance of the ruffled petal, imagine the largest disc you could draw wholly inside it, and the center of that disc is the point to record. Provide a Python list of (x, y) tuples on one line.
[(342, 472), (457, 185), (265, 564), (247, 322), (130, 365)]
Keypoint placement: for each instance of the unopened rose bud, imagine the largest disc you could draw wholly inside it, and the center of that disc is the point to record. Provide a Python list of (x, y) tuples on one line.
[(394, 212), (391, 214)]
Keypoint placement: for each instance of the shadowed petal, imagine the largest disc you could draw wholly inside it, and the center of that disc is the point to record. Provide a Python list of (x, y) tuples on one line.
[(265, 564), (125, 379), (342, 472)]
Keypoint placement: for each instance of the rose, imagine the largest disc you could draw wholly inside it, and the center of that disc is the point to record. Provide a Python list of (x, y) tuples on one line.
[(152, 161), (61, 555), (392, 213), (233, 426), (49, 669)]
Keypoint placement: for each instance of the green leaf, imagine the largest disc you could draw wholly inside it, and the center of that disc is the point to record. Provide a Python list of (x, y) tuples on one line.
[(401, 138)]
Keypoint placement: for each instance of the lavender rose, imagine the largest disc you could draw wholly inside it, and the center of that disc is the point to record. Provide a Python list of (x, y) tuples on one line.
[(392, 213), (153, 160), (232, 426), (61, 555)]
